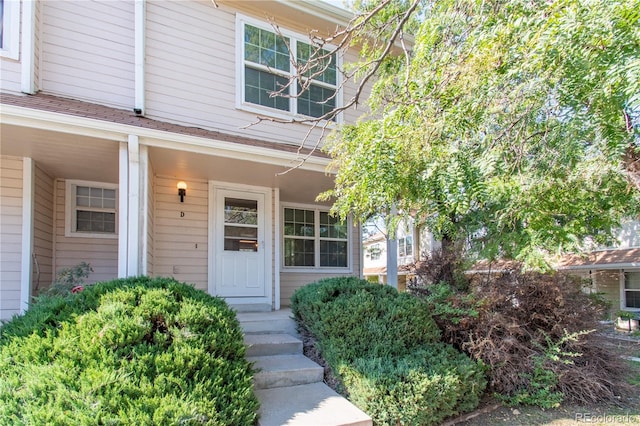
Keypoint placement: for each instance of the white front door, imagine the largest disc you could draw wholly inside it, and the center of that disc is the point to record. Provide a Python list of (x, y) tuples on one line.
[(240, 248)]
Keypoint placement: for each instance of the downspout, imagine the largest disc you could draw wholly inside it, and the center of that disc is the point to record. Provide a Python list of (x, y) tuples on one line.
[(27, 59), (139, 53)]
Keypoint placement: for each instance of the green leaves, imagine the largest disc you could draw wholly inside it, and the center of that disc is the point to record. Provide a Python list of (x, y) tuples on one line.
[(512, 124)]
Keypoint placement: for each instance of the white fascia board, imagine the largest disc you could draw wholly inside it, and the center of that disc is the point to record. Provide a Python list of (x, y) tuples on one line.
[(320, 9), (602, 266), (57, 122)]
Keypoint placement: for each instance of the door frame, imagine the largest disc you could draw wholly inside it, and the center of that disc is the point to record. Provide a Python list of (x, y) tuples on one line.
[(214, 187)]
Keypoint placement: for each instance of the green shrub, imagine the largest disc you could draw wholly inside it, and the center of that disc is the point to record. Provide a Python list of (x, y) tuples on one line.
[(70, 280), (386, 349), (133, 351)]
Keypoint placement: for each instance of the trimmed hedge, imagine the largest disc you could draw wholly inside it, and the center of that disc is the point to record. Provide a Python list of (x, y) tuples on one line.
[(132, 351), (385, 348)]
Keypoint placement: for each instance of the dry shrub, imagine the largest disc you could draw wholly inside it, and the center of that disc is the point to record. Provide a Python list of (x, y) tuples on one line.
[(536, 333)]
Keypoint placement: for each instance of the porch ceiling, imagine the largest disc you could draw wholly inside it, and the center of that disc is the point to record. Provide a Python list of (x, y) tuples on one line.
[(299, 186), (63, 155)]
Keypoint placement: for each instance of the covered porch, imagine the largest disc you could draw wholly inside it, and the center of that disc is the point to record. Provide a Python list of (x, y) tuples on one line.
[(76, 187)]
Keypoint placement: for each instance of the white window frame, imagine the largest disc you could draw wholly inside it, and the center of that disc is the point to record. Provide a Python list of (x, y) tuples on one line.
[(375, 250), (294, 37), (402, 246), (10, 29), (316, 245), (624, 290), (70, 208)]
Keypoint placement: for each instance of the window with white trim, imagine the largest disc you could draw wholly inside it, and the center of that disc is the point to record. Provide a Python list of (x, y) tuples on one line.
[(91, 209), (632, 290), (375, 251), (405, 246), (10, 28), (268, 64), (314, 239)]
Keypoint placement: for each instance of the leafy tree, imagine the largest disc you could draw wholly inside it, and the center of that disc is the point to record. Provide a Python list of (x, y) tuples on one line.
[(512, 124)]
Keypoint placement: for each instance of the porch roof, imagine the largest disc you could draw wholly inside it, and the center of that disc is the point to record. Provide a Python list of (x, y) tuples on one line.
[(602, 259), (382, 270), (76, 108)]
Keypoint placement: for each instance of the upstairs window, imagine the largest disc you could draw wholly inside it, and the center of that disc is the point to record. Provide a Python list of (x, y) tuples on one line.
[(405, 246), (375, 251), (9, 28), (91, 209), (268, 68)]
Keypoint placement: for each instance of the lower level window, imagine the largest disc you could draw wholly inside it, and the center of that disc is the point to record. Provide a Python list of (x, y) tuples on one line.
[(632, 289), (91, 209), (313, 238)]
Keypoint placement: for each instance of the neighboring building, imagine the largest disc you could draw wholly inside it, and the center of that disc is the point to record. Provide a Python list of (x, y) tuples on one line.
[(412, 243), (108, 107), (612, 271)]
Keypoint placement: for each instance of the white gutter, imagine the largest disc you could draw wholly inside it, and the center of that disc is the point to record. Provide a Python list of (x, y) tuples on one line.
[(139, 54), (64, 123), (320, 9), (627, 265), (27, 62)]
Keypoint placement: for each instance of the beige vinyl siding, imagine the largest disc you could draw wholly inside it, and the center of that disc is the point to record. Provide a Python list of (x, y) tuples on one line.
[(42, 275), (608, 282), (291, 281), (10, 235), (150, 220), (180, 245), (10, 71), (88, 50), (100, 253), (191, 71)]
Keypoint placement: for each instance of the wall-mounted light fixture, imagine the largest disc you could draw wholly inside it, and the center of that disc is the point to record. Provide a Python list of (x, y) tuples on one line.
[(182, 190)]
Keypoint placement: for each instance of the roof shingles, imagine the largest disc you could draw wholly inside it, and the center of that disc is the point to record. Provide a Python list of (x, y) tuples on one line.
[(93, 111)]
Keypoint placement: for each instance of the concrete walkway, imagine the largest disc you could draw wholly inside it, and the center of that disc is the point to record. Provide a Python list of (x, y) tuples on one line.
[(289, 385)]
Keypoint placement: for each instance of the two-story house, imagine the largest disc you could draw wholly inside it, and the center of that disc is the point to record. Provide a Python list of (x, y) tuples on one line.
[(127, 143), (410, 246), (612, 271)]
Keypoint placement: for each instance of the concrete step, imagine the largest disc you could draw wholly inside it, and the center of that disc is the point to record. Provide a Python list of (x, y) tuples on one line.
[(284, 370), (272, 344), (312, 404), (274, 322)]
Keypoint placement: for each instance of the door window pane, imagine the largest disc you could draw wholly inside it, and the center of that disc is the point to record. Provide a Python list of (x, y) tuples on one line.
[(239, 211), (241, 225)]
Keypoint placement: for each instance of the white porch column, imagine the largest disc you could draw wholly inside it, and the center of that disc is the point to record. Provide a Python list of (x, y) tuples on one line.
[(123, 210), (392, 255), (133, 235), (143, 217), (28, 187)]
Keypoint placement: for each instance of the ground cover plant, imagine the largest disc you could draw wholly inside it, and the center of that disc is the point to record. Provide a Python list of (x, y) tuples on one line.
[(385, 349), (535, 332), (131, 351)]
